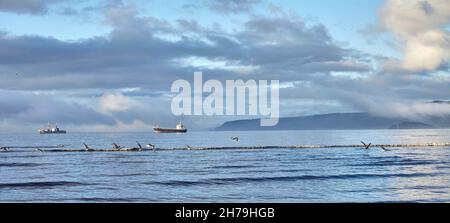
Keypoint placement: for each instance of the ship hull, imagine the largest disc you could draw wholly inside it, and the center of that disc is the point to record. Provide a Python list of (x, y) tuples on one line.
[(48, 133), (162, 130)]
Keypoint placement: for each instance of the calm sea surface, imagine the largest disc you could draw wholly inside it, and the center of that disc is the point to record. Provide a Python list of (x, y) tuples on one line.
[(272, 175)]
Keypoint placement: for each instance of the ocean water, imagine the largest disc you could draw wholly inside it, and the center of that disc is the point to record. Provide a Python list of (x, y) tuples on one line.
[(269, 175)]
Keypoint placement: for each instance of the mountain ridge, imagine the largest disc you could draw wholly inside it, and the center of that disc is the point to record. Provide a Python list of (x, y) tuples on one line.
[(331, 121)]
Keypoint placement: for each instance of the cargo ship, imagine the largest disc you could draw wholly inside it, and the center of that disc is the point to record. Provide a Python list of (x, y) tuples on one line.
[(178, 129), (50, 130)]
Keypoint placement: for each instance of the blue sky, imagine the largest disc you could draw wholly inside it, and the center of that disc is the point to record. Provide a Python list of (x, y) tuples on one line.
[(87, 58), (344, 19)]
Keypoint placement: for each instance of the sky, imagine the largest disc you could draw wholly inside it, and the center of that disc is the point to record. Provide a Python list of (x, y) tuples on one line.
[(107, 65)]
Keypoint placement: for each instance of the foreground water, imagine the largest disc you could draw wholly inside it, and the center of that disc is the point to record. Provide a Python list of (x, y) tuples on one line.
[(272, 175)]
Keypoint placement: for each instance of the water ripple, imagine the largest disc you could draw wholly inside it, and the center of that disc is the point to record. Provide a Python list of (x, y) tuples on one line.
[(44, 184), (233, 166), (100, 199), (22, 164), (237, 180), (125, 175), (403, 162)]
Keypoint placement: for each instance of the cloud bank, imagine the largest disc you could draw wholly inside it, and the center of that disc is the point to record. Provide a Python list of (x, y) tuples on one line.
[(421, 27), (121, 80), (232, 6), (26, 6)]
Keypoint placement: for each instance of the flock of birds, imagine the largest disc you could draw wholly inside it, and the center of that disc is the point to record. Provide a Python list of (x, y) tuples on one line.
[(119, 147), (116, 146), (367, 146)]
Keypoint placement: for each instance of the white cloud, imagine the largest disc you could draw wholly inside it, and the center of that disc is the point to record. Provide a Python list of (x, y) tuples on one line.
[(24, 108), (409, 110), (206, 63), (232, 6), (115, 102), (420, 26)]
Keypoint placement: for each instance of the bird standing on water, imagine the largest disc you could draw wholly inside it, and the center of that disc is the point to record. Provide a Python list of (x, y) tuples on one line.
[(115, 146), (384, 149), (235, 138), (151, 146)]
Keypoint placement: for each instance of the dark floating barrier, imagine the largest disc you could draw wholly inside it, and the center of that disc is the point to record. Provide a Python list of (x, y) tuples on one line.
[(35, 147), (60, 148), (39, 148)]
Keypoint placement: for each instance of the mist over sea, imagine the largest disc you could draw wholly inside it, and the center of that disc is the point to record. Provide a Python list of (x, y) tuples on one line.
[(269, 175)]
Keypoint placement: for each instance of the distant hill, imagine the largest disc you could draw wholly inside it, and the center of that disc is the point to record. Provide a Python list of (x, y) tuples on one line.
[(329, 121)]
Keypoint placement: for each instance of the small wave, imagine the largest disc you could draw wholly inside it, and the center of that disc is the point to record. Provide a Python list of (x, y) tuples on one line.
[(28, 156), (125, 175), (406, 162), (181, 183), (41, 184), (237, 180), (425, 187), (233, 166), (134, 162), (20, 164), (101, 199), (326, 158), (270, 171), (442, 167)]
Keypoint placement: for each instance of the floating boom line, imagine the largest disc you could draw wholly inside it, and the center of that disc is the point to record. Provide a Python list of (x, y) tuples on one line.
[(35, 147), (59, 148)]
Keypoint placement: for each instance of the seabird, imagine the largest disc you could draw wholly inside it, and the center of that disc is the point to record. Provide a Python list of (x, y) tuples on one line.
[(235, 138), (40, 150), (87, 147), (366, 145), (4, 149), (384, 149), (139, 145), (151, 146), (188, 147), (115, 146)]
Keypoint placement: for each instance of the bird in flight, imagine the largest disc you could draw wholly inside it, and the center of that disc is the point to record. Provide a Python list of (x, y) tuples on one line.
[(367, 146), (235, 138), (87, 147)]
